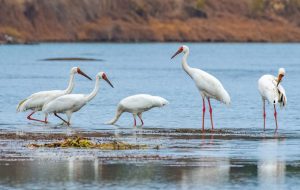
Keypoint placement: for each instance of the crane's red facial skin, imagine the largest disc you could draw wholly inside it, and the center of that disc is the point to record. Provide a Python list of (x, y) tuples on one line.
[(178, 52), (104, 76), (106, 79), (83, 74)]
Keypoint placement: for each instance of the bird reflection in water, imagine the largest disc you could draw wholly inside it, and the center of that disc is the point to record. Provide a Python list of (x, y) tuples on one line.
[(271, 165)]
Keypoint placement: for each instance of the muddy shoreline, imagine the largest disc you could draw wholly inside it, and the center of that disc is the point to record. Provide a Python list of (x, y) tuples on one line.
[(16, 145), (176, 133)]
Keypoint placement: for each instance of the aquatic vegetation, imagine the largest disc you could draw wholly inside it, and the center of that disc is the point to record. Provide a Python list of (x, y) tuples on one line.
[(79, 142)]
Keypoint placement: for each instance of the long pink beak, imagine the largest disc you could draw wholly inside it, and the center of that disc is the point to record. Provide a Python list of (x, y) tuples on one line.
[(83, 74), (106, 79), (178, 52)]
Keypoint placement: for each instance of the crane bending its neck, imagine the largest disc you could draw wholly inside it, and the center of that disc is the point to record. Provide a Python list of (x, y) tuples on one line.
[(70, 87)]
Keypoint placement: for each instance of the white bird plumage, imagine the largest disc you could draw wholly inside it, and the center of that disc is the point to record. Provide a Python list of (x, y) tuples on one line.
[(137, 104), (70, 103), (36, 101), (208, 85), (271, 90)]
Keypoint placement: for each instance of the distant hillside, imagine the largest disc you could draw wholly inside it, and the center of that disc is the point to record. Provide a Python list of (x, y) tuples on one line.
[(150, 20)]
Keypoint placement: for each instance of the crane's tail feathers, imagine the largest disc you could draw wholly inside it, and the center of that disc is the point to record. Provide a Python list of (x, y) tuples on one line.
[(227, 103), (283, 101), (115, 119), (20, 108), (226, 99)]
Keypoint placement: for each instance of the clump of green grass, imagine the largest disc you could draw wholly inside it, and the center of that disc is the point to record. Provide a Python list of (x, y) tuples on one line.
[(200, 4), (258, 6)]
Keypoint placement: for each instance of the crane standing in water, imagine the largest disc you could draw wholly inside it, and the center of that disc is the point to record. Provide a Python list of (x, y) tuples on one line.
[(271, 90), (36, 101), (208, 85), (137, 104), (71, 103)]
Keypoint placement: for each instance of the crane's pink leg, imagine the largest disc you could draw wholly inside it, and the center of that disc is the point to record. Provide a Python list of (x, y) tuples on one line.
[(62, 119), (210, 111), (275, 115), (203, 113), (140, 116), (30, 118), (134, 117), (264, 114)]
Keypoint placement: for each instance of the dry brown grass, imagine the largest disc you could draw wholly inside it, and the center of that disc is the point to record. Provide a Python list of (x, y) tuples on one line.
[(151, 20)]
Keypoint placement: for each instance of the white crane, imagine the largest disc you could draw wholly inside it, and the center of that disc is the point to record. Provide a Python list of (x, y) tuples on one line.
[(137, 104), (70, 103), (271, 90), (208, 85), (36, 101)]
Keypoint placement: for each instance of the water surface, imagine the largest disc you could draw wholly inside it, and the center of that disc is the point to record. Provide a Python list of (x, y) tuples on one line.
[(243, 157)]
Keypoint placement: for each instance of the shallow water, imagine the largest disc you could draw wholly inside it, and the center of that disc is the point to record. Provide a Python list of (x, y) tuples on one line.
[(240, 156)]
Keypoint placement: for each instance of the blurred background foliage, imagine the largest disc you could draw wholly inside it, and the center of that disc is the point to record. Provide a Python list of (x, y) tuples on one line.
[(149, 20)]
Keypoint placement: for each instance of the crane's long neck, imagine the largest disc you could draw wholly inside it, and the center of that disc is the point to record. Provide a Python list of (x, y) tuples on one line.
[(90, 96), (70, 87), (185, 66)]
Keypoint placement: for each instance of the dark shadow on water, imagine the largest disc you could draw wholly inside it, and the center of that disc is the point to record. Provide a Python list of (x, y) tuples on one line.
[(71, 59)]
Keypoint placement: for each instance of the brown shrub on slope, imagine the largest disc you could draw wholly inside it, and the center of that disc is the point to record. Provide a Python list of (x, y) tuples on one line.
[(151, 20)]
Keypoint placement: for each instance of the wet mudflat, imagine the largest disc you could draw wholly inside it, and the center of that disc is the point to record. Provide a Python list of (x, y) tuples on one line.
[(173, 159)]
